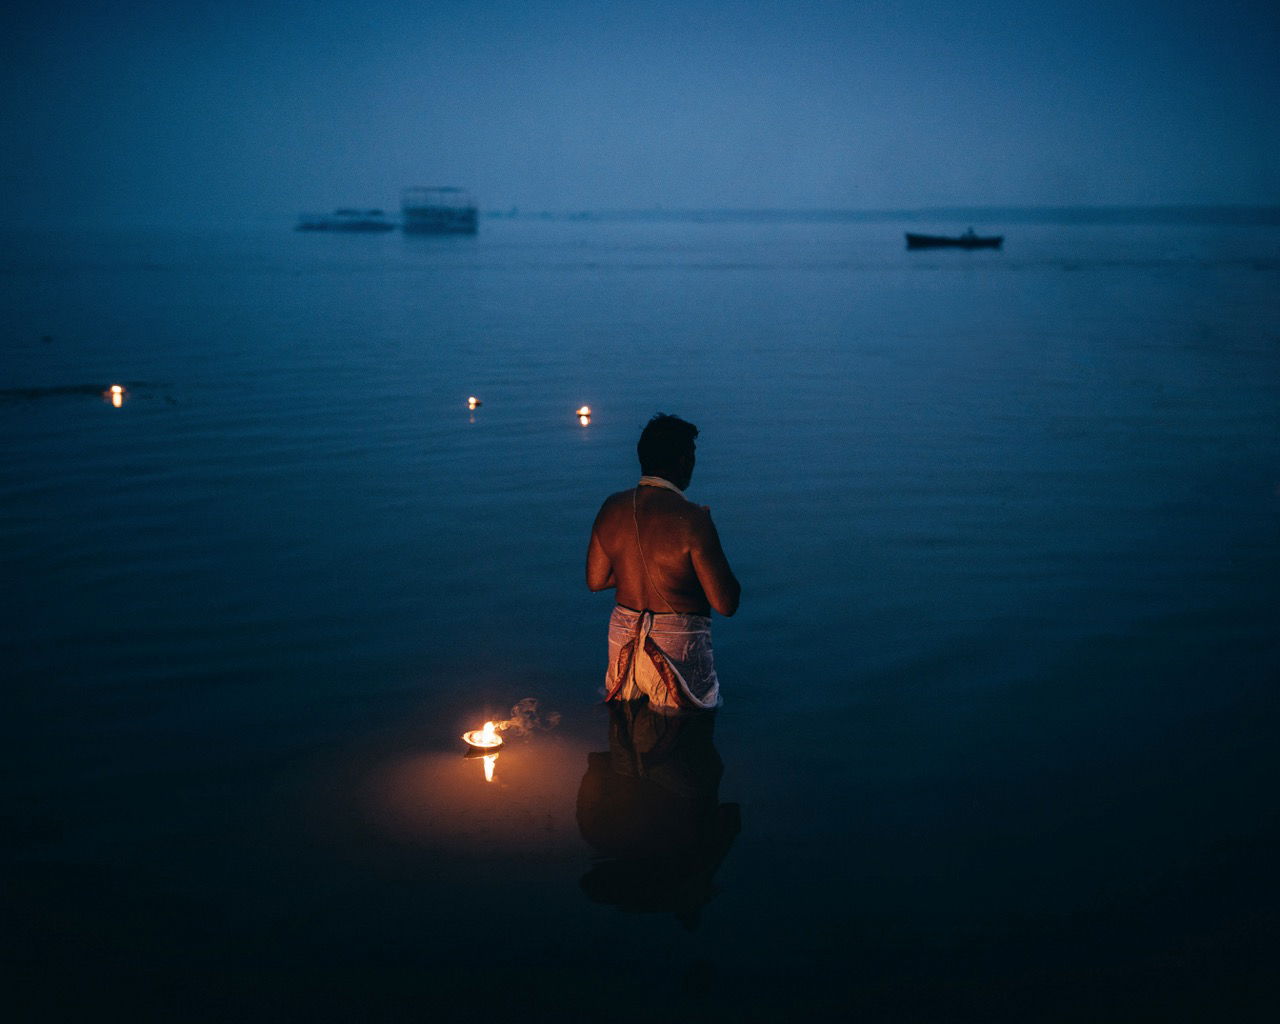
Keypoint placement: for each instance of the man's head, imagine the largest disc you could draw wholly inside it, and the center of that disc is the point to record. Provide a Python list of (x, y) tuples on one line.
[(666, 449)]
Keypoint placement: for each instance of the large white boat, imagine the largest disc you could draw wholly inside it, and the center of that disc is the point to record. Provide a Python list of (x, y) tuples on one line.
[(438, 211)]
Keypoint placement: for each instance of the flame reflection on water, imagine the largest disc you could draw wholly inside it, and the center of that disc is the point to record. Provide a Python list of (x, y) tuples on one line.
[(439, 800)]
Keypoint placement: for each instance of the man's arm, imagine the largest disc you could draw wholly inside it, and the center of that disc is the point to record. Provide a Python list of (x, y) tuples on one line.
[(599, 565), (709, 562)]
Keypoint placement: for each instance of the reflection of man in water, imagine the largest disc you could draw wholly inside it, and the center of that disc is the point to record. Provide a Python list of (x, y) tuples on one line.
[(663, 555), (651, 810)]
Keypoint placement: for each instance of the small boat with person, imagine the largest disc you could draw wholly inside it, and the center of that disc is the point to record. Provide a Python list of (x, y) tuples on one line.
[(969, 240)]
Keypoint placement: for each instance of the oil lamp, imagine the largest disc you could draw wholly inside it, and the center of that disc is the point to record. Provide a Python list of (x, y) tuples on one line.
[(474, 403), (485, 740), (584, 415), (115, 394)]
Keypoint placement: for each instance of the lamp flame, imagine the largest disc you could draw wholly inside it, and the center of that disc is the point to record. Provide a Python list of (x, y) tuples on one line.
[(584, 415), (115, 394), (474, 403)]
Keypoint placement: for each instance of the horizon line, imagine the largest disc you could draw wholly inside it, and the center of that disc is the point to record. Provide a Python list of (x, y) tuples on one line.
[(1251, 212)]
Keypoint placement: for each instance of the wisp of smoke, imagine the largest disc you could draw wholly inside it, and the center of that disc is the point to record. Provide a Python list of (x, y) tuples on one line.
[(525, 719)]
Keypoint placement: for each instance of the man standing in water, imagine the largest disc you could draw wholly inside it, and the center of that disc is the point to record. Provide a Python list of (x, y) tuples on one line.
[(663, 555)]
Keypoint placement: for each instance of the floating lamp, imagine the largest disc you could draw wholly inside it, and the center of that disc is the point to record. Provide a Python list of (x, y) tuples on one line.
[(486, 739), (474, 403), (115, 395), (584, 415)]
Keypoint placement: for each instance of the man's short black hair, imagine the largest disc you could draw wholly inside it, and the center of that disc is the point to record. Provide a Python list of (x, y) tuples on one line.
[(664, 443)]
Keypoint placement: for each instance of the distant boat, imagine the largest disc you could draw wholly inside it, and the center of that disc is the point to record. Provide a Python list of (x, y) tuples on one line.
[(346, 220), (966, 241), (438, 211)]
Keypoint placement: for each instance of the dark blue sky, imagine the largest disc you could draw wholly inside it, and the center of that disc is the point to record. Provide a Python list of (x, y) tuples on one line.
[(198, 110)]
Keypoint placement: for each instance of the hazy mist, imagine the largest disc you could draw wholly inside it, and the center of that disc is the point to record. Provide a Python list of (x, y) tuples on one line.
[(194, 111)]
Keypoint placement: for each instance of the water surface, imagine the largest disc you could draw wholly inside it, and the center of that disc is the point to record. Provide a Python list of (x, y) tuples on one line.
[(999, 701)]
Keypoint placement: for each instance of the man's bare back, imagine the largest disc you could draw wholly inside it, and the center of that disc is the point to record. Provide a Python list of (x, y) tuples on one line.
[(682, 568), (663, 555)]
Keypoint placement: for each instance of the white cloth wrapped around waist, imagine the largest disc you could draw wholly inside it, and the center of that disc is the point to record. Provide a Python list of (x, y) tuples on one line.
[(663, 656)]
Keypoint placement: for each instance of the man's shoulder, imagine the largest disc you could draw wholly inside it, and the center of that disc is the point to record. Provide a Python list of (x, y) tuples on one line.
[(664, 503), (669, 504), (687, 518), (698, 518), (614, 505), (618, 498)]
